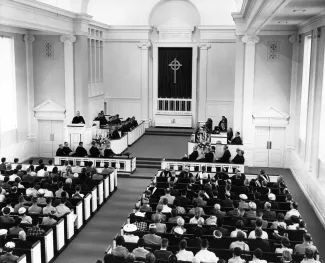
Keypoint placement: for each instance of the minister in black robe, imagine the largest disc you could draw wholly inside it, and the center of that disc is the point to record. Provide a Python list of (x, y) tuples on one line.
[(94, 151), (108, 152), (239, 158), (237, 140), (60, 151), (115, 135), (66, 149), (81, 151), (78, 119), (226, 155)]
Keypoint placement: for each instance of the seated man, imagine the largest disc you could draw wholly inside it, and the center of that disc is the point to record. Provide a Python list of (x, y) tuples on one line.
[(268, 214), (152, 238), (8, 256), (309, 256), (66, 149), (163, 253), (94, 151), (307, 244), (60, 152), (115, 134), (108, 152), (78, 119), (183, 254), (193, 156), (209, 157), (204, 255), (81, 151), (257, 257), (293, 212), (140, 251), (239, 158), (120, 251), (226, 155), (237, 140), (101, 118)]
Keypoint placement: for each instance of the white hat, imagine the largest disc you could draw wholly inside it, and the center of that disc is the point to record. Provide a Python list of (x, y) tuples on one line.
[(252, 205), (272, 197), (178, 230), (152, 226), (130, 228), (29, 192), (41, 191), (139, 214), (212, 220), (75, 175), (10, 244), (22, 210), (33, 174), (3, 232), (243, 196)]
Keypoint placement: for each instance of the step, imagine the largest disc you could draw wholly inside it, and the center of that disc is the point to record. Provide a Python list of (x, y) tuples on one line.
[(149, 158), (168, 134), (156, 166), (148, 162)]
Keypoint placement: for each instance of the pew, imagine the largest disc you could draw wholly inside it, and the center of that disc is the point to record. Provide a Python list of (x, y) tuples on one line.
[(124, 165), (179, 165), (219, 148), (119, 145), (136, 133)]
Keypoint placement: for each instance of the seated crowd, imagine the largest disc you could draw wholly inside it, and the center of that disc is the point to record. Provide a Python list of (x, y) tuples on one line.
[(214, 218), (207, 154), (38, 197)]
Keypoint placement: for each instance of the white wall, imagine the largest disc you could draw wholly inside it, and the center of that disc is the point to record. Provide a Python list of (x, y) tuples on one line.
[(272, 78), (49, 73), (122, 78), (221, 82)]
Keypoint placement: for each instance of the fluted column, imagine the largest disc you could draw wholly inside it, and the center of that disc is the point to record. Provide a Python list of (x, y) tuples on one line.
[(248, 90), (68, 41), (29, 39), (145, 80), (202, 94)]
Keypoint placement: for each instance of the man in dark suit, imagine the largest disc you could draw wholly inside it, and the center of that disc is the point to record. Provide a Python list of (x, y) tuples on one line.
[(214, 200), (108, 152), (66, 149), (209, 157), (186, 173), (257, 201), (196, 241), (259, 215), (260, 243), (163, 253), (239, 158), (115, 135), (193, 156), (93, 151), (78, 119), (223, 230), (237, 140), (235, 212), (183, 200), (60, 151), (227, 202), (81, 151), (268, 214), (226, 155)]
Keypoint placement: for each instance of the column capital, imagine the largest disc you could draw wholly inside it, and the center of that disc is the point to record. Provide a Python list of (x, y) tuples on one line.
[(144, 45), (204, 46), (68, 39), (29, 38), (293, 39), (250, 39)]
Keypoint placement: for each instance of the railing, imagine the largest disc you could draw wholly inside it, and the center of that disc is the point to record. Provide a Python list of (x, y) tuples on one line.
[(136, 133), (122, 165), (197, 166), (174, 105)]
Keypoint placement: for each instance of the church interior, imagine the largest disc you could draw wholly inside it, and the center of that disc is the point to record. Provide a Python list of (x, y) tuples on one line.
[(162, 131)]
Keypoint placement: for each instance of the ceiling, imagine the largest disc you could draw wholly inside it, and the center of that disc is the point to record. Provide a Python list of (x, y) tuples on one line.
[(298, 11)]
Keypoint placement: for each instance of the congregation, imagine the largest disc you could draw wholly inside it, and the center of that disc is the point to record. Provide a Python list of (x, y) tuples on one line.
[(215, 218)]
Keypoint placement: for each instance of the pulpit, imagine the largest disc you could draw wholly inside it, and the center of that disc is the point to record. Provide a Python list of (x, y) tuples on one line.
[(75, 133)]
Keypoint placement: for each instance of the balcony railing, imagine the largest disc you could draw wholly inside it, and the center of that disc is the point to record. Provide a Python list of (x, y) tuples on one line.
[(175, 105)]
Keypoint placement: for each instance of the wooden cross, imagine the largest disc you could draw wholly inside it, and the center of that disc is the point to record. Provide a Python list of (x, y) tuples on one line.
[(175, 65)]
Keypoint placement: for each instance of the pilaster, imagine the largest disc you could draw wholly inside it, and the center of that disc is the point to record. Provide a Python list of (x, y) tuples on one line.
[(291, 132), (145, 79), (202, 94), (29, 39), (68, 41), (312, 100), (250, 42)]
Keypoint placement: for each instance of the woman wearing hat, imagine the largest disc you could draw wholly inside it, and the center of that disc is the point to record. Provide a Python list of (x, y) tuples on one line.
[(129, 229), (8, 257)]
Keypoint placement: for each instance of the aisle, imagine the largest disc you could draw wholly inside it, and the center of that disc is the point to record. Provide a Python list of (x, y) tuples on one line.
[(91, 243)]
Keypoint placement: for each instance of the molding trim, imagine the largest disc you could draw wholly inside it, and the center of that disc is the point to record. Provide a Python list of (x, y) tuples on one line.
[(129, 33), (204, 46), (250, 39), (217, 33), (49, 110), (312, 23), (271, 117), (68, 39)]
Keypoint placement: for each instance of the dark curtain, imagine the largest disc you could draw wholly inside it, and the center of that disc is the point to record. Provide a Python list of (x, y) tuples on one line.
[(166, 86)]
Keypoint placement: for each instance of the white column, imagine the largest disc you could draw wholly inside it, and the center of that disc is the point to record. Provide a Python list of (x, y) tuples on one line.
[(145, 80), (29, 39), (248, 95), (202, 94), (291, 132), (311, 100), (68, 41), (239, 77)]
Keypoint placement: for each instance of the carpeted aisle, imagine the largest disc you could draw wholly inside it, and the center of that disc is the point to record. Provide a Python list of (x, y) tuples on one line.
[(93, 240)]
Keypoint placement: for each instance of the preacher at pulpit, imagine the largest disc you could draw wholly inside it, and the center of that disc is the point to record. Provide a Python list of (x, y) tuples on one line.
[(78, 119)]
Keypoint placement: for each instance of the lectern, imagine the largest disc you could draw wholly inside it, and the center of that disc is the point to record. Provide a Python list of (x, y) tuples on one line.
[(76, 133)]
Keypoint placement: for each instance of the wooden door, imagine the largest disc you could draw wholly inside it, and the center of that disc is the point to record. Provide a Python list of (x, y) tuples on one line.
[(262, 136), (276, 151), (50, 136)]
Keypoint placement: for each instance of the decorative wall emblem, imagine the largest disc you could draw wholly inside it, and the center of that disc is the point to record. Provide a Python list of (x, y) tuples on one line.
[(49, 50), (273, 49), (175, 65)]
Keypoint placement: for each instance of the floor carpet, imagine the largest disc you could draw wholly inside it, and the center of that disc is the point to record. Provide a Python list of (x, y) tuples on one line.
[(98, 234), (160, 146)]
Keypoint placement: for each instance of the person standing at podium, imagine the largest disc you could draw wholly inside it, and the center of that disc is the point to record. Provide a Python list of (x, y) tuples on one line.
[(78, 119)]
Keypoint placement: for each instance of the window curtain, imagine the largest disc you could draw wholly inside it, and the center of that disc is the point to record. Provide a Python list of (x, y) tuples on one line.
[(183, 86)]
